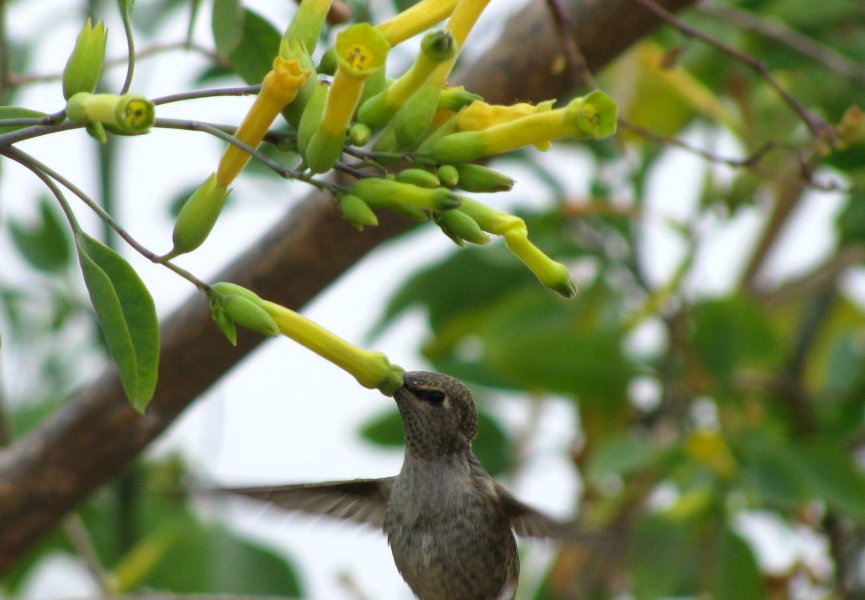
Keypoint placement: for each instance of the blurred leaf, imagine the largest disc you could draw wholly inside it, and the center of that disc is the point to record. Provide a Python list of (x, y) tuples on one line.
[(491, 445), (772, 470), (835, 478), (227, 24), (736, 574), (45, 244), (14, 112), (731, 332), (622, 455), (667, 558), (206, 558), (126, 315), (850, 222), (251, 52)]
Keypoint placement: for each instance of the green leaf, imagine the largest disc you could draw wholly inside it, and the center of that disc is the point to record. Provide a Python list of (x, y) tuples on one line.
[(126, 315), (737, 575), (622, 455), (772, 470), (227, 24), (253, 57), (731, 332), (14, 112), (207, 558), (45, 244), (491, 445), (667, 556), (835, 478)]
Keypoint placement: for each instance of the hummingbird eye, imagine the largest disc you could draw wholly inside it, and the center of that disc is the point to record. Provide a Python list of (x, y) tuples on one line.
[(431, 396)]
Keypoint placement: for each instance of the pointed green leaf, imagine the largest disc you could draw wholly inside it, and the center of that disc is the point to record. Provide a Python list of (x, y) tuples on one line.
[(46, 244), (227, 25), (14, 112), (736, 575), (127, 316), (253, 56)]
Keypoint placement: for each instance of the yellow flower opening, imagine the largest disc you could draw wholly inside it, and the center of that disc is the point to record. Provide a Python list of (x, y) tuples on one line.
[(361, 49), (278, 90), (137, 113)]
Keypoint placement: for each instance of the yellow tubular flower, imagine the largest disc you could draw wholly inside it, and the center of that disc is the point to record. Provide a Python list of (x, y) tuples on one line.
[(371, 369), (307, 23), (464, 17), (411, 22), (590, 116), (279, 89), (361, 50)]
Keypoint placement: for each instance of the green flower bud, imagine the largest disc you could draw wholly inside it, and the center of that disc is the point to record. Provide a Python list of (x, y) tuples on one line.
[(84, 67), (323, 151), (456, 98), (357, 212), (404, 197), (552, 274), (248, 314), (223, 321), (311, 118), (329, 61), (129, 114), (419, 177), (448, 175), (444, 129), (305, 27), (226, 288), (458, 226), (197, 217), (359, 134), (438, 46), (478, 178)]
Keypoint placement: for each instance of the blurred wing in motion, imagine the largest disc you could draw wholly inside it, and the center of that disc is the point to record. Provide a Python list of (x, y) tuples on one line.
[(361, 501)]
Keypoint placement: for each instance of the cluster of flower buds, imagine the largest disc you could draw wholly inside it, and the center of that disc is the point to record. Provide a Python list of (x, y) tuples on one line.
[(442, 130), (126, 114)]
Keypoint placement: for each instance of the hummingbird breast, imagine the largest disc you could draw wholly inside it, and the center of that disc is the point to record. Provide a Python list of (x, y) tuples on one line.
[(450, 536)]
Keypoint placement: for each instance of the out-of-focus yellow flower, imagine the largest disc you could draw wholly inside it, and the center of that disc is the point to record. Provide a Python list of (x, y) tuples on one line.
[(361, 50), (414, 20), (590, 116), (279, 88)]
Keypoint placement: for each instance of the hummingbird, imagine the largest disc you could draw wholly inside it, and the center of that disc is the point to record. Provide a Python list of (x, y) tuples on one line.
[(449, 524)]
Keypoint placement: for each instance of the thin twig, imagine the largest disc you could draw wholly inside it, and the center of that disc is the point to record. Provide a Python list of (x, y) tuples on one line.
[(273, 165), (575, 59), (781, 33), (80, 539), (247, 90), (20, 80), (818, 128), (46, 173)]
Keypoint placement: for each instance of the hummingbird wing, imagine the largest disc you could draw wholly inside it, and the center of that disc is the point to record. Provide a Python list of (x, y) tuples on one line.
[(529, 522), (362, 501)]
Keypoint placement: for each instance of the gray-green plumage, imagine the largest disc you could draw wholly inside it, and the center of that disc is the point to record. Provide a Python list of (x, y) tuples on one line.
[(450, 526)]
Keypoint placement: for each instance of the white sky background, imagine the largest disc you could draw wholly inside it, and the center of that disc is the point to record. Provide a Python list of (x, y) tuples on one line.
[(285, 415)]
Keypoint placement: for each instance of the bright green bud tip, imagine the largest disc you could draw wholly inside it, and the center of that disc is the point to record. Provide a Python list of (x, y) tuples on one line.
[(357, 212), (404, 197), (593, 115), (420, 177), (359, 134), (478, 178), (454, 99), (448, 175), (226, 288), (84, 67), (197, 217), (459, 226), (248, 314), (438, 46), (394, 380)]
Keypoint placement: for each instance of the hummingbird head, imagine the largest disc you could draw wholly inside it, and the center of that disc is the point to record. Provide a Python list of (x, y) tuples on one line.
[(438, 414)]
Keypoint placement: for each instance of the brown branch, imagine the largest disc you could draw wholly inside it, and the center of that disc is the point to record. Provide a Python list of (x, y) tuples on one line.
[(818, 128), (96, 433)]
